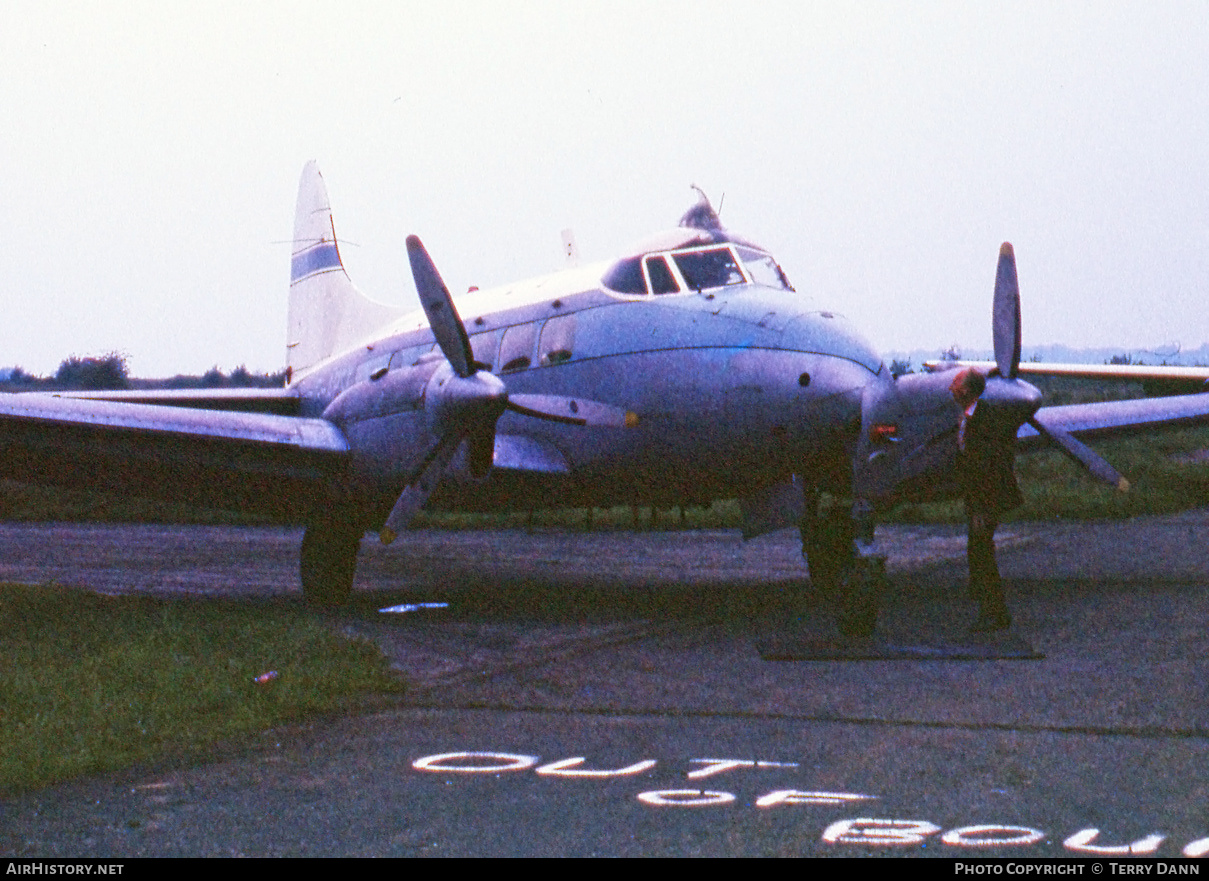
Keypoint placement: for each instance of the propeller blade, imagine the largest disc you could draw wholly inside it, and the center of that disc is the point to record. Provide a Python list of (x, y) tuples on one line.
[(416, 493), (572, 411), (447, 326), (1081, 453), (554, 408), (1005, 325)]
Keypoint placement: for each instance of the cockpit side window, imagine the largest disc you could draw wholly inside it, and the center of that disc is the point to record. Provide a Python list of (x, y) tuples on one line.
[(709, 268), (660, 276), (625, 277), (763, 269)]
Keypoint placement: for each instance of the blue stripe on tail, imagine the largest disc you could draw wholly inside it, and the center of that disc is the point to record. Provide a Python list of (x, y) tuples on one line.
[(321, 258)]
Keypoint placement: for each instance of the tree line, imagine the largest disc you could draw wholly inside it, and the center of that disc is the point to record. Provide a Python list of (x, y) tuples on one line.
[(109, 372)]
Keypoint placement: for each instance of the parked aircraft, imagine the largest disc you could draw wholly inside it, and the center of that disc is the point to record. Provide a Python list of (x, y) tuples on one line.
[(687, 370)]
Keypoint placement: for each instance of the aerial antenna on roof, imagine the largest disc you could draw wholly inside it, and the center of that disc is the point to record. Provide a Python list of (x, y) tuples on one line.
[(702, 215)]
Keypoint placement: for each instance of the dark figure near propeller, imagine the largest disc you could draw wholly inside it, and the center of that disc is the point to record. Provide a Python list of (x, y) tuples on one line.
[(985, 453)]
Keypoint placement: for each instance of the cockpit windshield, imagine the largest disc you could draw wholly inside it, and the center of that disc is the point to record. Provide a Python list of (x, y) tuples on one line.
[(695, 269), (705, 268)]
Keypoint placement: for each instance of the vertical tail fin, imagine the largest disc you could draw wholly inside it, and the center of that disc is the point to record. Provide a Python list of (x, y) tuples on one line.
[(326, 311)]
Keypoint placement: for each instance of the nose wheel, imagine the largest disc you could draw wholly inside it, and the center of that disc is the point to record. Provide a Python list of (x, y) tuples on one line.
[(827, 547), (837, 545)]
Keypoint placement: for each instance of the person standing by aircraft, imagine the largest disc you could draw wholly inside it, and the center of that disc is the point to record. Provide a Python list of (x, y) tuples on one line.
[(985, 454)]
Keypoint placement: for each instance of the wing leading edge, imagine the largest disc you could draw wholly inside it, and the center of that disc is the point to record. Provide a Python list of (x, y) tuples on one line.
[(1191, 377), (281, 401), (1119, 418), (279, 466)]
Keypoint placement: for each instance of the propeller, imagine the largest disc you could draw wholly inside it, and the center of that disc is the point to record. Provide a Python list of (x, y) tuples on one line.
[(467, 402), (1007, 393), (1081, 453), (1005, 313)]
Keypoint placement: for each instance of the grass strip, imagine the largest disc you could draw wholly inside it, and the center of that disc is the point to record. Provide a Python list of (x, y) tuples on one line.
[(92, 683), (1168, 472)]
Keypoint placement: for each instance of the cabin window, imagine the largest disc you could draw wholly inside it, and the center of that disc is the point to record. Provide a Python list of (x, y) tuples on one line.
[(366, 369), (709, 268), (660, 277), (483, 346), (557, 341), (410, 357), (516, 348)]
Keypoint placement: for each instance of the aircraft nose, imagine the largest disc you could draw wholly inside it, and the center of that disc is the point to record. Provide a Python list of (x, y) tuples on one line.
[(829, 333)]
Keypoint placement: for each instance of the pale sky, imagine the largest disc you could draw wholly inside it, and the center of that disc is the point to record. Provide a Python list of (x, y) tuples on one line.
[(150, 154)]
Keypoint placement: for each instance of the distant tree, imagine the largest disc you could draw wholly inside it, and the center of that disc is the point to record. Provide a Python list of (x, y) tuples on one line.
[(213, 378), (241, 378), (953, 353), (181, 381), (1122, 359), (899, 368), (94, 373), (18, 376)]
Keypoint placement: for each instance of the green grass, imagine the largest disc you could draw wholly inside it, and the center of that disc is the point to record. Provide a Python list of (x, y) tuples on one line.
[(1162, 477), (722, 514), (24, 503), (1053, 487), (92, 683)]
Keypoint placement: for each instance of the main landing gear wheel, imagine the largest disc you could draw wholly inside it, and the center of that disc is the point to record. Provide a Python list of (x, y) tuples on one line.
[(846, 582), (328, 563)]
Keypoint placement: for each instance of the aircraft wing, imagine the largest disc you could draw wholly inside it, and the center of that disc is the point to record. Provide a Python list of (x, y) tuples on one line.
[(1119, 418), (1190, 377), (275, 465), (282, 401)]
